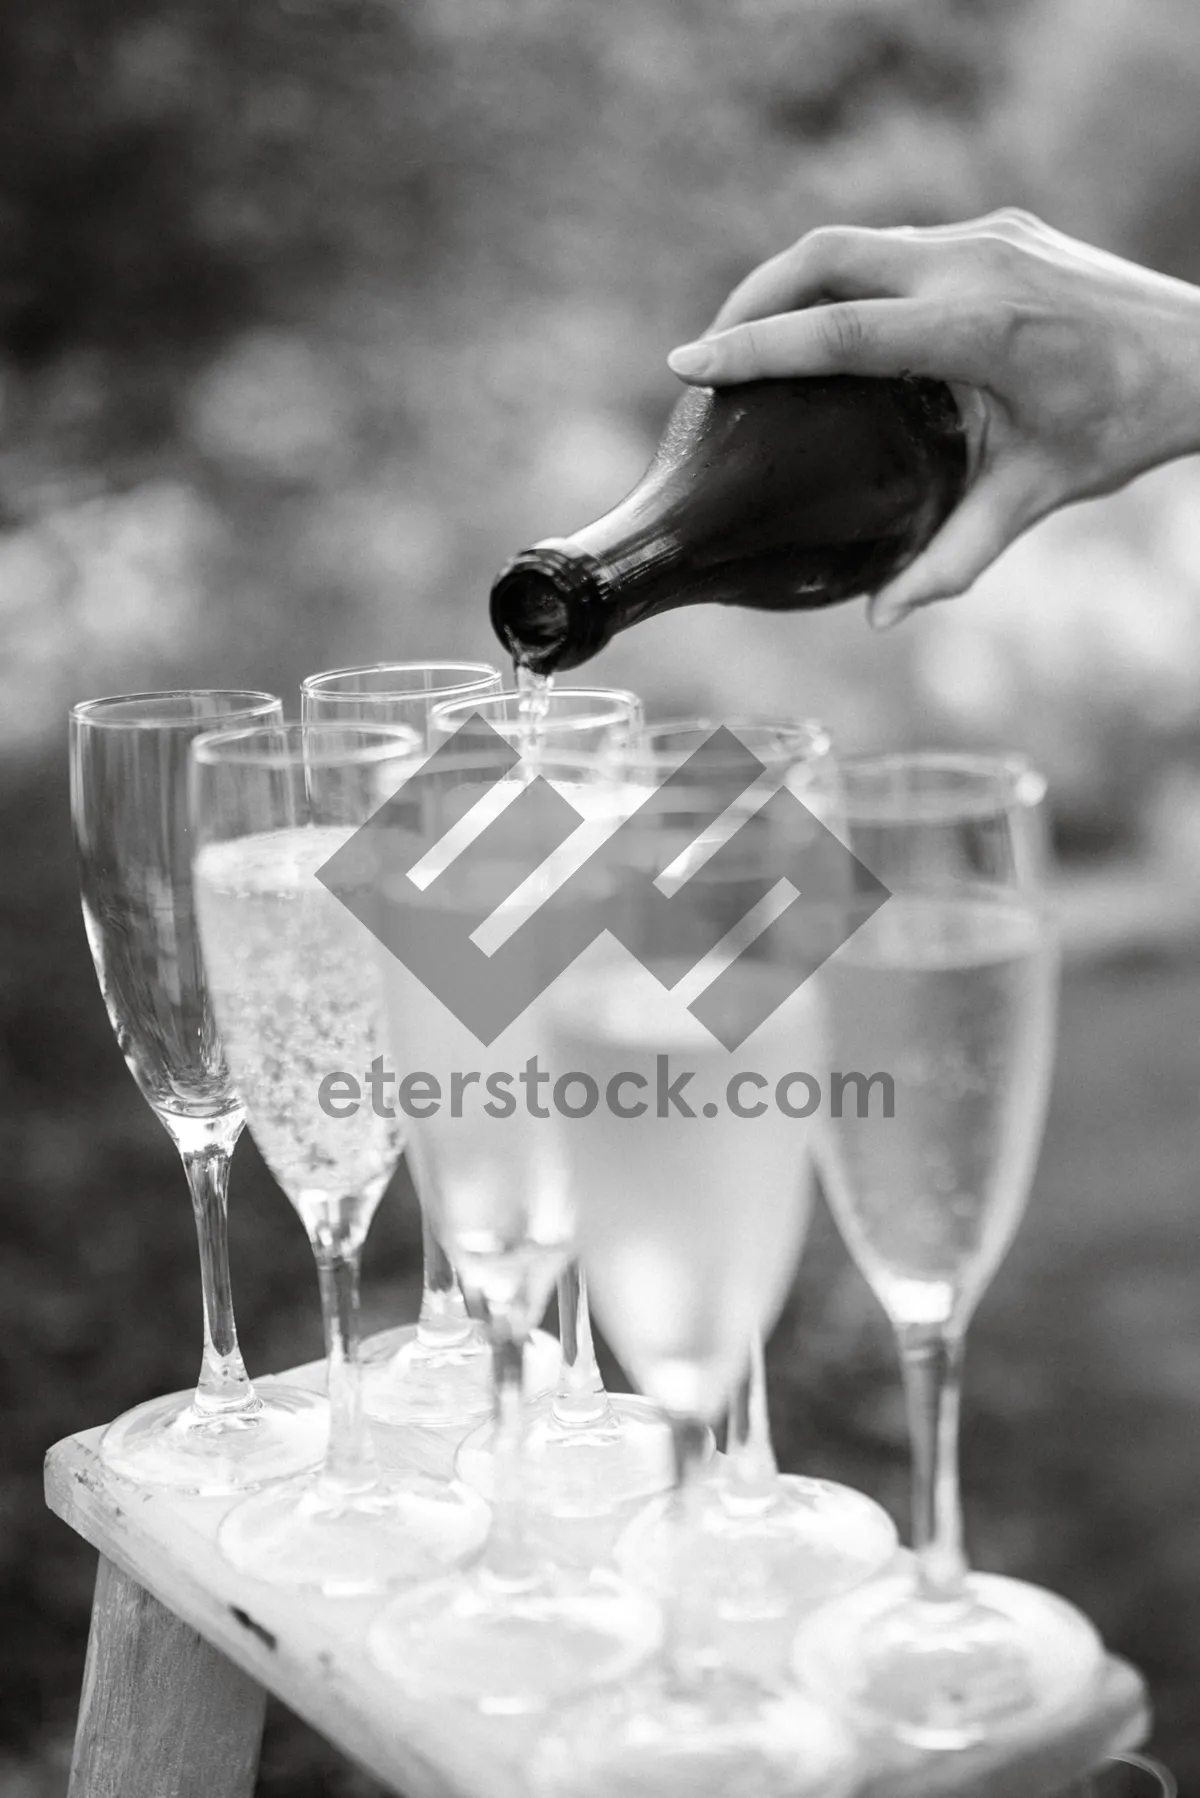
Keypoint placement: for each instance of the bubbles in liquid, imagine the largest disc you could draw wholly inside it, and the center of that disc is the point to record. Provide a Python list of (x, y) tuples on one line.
[(953, 1001), (296, 990)]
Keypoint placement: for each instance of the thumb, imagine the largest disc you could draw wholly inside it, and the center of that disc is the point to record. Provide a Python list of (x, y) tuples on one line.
[(994, 513)]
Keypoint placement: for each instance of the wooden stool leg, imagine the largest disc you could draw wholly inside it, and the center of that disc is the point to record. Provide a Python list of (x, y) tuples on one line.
[(163, 1714)]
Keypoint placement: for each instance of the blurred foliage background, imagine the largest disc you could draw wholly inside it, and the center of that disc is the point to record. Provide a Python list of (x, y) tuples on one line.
[(311, 311)]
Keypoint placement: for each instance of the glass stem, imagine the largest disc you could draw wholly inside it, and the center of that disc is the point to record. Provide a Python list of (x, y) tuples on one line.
[(206, 1146), (507, 1555), (753, 1469), (684, 1631), (444, 1322), (931, 1358), (350, 1458), (579, 1397)]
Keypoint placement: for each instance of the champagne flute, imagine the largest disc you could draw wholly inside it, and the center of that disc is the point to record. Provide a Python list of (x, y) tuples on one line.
[(587, 1453), (692, 1214), (949, 991), (519, 1629), (438, 1371), (296, 993), (129, 758), (773, 1545)]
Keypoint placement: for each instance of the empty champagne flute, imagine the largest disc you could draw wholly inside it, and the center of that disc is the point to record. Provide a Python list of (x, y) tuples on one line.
[(295, 987), (519, 1629), (438, 1371), (555, 718), (129, 765), (692, 1199), (949, 993), (773, 1545), (588, 1453)]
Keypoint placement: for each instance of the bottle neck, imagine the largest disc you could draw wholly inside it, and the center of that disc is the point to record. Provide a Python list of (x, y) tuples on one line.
[(548, 607)]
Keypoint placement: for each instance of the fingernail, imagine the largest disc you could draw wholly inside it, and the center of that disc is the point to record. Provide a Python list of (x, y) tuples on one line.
[(885, 614), (692, 359)]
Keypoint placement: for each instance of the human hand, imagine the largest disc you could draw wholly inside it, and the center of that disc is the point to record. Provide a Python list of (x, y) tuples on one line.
[(1076, 370)]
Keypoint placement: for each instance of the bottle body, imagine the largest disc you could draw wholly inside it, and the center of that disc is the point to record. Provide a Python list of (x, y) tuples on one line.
[(780, 495)]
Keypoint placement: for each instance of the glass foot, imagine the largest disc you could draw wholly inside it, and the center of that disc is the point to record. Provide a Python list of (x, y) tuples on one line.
[(167, 1442), (728, 1737), (349, 1545), (444, 1387), (764, 1557), (581, 1469), (1128, 1776), (512, 1647), (949, 1673)]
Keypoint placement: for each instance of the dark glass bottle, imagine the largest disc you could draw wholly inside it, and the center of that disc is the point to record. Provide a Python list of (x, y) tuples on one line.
[(783, 495)]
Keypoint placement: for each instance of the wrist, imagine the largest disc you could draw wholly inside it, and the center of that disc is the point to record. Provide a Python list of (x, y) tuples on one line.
[(1181, 343)]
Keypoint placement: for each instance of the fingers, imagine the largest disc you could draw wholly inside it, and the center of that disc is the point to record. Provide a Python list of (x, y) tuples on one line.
[(837, 263), (867, 337), (994, 513), (1010, 222), (843, 262)]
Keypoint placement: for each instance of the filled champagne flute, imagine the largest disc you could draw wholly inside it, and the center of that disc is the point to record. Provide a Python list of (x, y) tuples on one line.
[(520, 1628), (587, 1453), (691, 1186), (437, 1371), (946, 999), (773, 1545), (129, 767), (295, 988)]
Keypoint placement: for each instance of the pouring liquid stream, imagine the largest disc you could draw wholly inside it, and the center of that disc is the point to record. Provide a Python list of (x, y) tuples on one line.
[(533, 706)]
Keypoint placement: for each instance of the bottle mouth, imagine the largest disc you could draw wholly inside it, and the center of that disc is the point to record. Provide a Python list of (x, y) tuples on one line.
[(543, 609), (531, 617)]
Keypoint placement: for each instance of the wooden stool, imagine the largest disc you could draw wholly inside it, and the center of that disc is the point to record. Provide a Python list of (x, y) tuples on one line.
[(183, 1650)]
